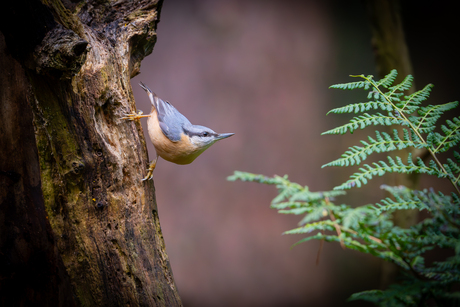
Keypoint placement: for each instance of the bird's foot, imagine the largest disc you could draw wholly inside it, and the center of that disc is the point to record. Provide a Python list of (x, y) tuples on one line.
[(151, 168), (134, 115)]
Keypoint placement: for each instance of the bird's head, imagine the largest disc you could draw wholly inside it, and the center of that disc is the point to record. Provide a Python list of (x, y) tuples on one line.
[(203, 137)]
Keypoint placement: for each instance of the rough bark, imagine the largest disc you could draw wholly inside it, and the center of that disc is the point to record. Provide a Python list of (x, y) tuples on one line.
[(31, 268), (78, 59)]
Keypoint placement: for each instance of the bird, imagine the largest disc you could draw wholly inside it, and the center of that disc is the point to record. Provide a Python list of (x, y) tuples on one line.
[(174, 137)]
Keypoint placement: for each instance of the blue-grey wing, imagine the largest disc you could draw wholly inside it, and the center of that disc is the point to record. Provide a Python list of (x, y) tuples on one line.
[(171, 121)]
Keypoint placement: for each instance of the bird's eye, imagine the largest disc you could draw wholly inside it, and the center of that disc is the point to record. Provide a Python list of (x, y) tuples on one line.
[(205, 134)]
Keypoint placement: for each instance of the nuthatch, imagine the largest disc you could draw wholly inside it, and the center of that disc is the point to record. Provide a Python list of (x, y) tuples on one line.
[(173, 135)]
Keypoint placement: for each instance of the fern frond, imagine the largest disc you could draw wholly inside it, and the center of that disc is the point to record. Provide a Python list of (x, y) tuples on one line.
[(452, 168), (412, 102), (428, 116), (296, 211), (285, 187), (348, 242), (321, 225), (450, 264), (358, 246), (445, 277), (383, 143), (365, 120), (434, 239), (404, 199), (290, 194), (305, 195), (370, 229), (244, 176), (450, 139), (316, 214), (393, 257), (399, 204), (401, 87), (380, 168), (287, 205), (363, 106), (388, 80), (407, 293), (351, 218), (373, 296), (353, 85)]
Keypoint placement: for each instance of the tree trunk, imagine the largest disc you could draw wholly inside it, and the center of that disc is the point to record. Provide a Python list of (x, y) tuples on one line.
[(388, 39), (74, 62), (391, 52), (31, 269)]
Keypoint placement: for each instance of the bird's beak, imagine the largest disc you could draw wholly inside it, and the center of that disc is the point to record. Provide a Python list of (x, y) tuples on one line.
[(224, 135)]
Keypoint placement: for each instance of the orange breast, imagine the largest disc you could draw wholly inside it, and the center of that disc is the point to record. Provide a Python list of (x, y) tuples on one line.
[(180, 152)]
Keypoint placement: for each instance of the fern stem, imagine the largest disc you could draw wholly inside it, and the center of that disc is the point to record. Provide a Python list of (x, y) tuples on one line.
[(415, 129), (337, 227), (369, 236)]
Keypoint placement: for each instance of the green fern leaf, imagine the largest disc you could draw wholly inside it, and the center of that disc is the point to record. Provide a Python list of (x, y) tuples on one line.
[(451, 167), (379, 169), (399, 204), (450, 264), (307, 196), (411, 292), (434, 239), (403, 86), (374, 296), (321, 225), (352, 217), (296, 211), (428, 116), (393, 257), (363, 106), (383, 143), (445, 277), (287, 205), (244, 176), (451, 136), (314, 215), (285, 192), (388, 80), (354, 85), (365, 120), (404, 199), (412, 102), (318, 236), (348, 242)]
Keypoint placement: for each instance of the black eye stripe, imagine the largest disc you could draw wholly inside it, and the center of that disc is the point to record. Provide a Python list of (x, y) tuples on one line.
[(200, 134)]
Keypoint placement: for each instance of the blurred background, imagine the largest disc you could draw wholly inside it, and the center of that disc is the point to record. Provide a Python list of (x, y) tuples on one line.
[(261, 69)]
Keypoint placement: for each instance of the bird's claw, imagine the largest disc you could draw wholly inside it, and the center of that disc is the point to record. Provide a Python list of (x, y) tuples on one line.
[(134, 115), (151, 168), (149, 175)]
